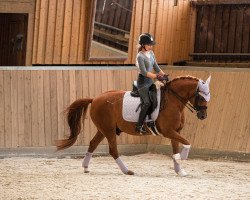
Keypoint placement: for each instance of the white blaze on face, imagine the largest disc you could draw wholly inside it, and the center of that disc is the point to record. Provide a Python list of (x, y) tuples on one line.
[(204, 88)]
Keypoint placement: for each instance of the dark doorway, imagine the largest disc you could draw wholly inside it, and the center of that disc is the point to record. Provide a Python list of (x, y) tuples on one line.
[(13, 39), (222, 32)]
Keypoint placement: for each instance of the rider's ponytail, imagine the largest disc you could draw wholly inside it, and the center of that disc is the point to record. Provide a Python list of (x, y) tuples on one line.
[(139, 48)]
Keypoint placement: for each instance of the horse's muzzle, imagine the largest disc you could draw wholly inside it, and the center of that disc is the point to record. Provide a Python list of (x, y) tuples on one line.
[(202, 114)]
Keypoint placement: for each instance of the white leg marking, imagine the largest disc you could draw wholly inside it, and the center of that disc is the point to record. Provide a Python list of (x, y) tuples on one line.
[(121, 165), (185, 152), (86, 160), (177, 166)]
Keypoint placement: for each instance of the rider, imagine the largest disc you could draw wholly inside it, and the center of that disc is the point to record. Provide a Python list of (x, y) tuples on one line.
[(146, 62)]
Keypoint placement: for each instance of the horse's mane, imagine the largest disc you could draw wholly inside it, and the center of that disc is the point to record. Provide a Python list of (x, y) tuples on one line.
[(184, 77), (165, 88)]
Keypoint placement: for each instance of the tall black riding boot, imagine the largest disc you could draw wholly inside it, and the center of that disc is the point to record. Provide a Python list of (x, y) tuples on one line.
[(139, 125)]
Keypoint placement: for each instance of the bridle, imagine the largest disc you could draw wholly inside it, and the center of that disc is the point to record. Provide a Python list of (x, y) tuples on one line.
[(186, 102)]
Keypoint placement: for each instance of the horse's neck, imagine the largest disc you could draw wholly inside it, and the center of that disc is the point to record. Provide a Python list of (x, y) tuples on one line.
[(184, 88)]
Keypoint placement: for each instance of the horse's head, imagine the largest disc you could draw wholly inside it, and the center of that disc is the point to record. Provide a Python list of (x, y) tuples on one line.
[(201, 98)]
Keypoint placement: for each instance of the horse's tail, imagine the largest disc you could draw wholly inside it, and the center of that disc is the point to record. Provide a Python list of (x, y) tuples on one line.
[(75, 112)]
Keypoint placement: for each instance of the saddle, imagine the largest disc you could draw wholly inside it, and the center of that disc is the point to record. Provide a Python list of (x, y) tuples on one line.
[(154, 103)]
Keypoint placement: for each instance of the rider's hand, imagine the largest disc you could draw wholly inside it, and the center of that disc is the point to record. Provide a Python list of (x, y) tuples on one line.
[(162, 77)]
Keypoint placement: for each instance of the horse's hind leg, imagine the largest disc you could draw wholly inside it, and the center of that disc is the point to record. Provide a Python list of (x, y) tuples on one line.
[(114, 153), (92, 146)]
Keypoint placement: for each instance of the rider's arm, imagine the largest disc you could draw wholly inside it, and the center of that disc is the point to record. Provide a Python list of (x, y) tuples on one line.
[(156, 66), (143, 71), (151, 75)]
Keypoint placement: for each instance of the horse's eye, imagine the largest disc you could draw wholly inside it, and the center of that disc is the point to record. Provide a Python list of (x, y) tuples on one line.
[(202, 99)]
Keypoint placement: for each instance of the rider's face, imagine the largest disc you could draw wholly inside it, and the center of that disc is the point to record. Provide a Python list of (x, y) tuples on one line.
[(148, 47)]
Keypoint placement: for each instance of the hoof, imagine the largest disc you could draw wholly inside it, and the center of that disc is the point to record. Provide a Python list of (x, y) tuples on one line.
[(182, 173), (86, 170), (130, 173)]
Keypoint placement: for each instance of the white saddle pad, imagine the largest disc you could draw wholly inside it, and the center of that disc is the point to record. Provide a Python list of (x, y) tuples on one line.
[(130, 104)]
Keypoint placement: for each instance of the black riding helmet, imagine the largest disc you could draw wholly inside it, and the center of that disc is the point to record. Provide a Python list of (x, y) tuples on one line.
[(146, 39)]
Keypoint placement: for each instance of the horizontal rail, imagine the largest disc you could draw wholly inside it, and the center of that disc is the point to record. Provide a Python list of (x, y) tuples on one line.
[(111, 27), (220, 54), (219, 2), (131, 67)]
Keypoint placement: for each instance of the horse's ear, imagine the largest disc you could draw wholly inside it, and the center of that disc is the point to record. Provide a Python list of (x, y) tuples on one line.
[(208, 80)]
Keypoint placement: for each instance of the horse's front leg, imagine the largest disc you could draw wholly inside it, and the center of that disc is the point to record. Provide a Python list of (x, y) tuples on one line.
[(185, 151), (186, 146), (177, 157)]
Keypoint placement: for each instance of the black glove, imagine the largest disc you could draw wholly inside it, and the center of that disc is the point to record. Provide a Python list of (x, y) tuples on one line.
[(162, 77)]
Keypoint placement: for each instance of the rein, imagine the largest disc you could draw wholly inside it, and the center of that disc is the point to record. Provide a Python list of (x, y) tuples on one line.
[(185, 101)]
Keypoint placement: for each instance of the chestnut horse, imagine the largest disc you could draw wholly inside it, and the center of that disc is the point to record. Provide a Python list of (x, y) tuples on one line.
[(106, 113)]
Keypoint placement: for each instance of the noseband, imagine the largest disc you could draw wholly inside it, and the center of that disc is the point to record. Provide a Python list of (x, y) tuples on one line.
[(196, 102)]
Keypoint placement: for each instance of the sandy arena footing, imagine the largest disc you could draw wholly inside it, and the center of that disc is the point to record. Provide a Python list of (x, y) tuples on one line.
[(52, 178)]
